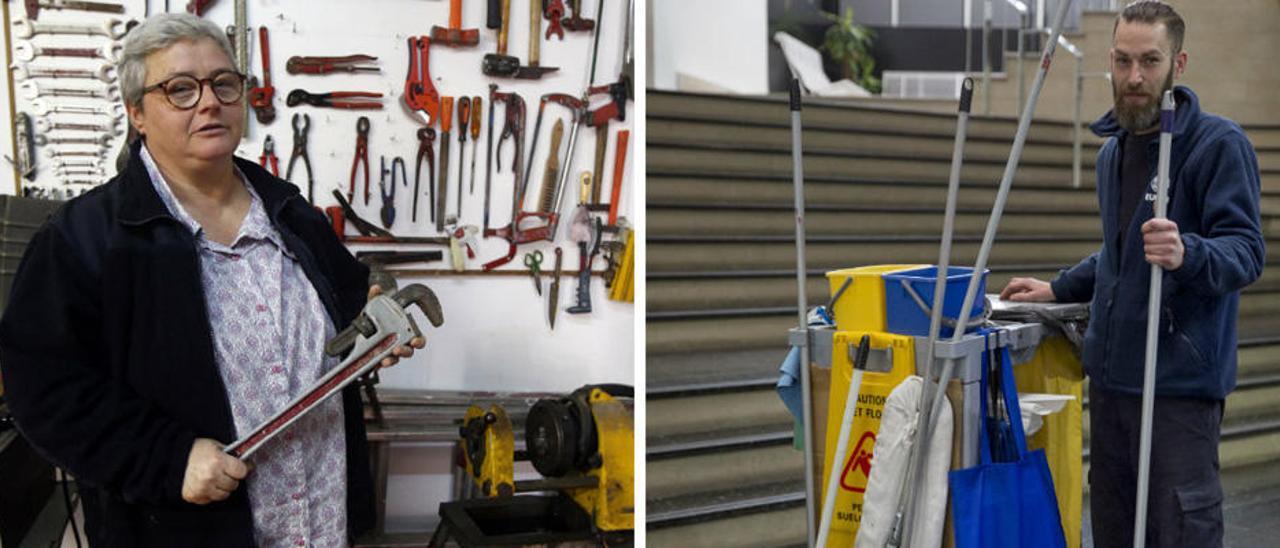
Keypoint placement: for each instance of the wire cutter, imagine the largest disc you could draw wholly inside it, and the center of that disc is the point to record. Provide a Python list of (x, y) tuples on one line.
[(362, 154), (324, 65), (301, 125), (268, 158), (426, 136), (533, 260), (388, 192), (335, 99)]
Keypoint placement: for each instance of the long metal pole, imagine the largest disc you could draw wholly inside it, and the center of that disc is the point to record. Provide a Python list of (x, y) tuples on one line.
[(1153, 330), (988, 238), (986, 57), (842, 443), (916, 458), (1077, 144), (797, 178)]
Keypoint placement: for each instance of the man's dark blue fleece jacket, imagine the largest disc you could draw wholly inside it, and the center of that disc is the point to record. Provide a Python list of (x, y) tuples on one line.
[(108, 358), (1214, 191)]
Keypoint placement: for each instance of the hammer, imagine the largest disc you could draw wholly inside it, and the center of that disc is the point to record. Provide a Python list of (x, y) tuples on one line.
[(500, 64), (533, 71), (455, 35)]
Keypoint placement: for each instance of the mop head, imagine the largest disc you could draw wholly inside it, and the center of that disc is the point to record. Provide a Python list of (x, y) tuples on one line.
[(889, 464)]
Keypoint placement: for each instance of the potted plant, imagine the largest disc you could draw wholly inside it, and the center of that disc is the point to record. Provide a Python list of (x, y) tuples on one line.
[(849, 44)]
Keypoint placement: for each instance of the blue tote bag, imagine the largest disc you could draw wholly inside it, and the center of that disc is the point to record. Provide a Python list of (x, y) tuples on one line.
[(1008, 499)]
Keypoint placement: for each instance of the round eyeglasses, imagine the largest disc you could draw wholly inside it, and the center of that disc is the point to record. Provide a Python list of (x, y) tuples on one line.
[(184, 92)]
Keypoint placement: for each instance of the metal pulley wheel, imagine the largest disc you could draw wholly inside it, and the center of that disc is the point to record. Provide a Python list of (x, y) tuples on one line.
[(560, 435)]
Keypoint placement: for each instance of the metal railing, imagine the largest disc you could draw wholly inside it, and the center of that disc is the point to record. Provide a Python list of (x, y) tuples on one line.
[(1077, 135)]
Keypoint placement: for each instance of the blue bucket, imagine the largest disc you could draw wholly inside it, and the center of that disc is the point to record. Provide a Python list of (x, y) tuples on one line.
[(907, 316)]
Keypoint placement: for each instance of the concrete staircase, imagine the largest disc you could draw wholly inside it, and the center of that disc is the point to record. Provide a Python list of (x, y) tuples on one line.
[(722, 470)]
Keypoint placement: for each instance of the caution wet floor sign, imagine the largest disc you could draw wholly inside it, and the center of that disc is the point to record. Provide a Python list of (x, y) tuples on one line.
[(896, 354)]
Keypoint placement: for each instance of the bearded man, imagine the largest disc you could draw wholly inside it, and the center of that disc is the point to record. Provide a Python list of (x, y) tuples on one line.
[(1210, 247)]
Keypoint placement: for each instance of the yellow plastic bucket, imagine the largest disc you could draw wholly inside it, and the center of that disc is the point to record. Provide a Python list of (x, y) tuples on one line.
[(861, 306)]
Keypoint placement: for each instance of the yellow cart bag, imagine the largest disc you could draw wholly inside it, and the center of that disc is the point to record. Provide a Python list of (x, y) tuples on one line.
[(1055, 370), (866, 423)]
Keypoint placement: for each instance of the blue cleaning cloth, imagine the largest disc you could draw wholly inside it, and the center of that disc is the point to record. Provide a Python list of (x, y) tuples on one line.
[(789, 384), (789, 388)]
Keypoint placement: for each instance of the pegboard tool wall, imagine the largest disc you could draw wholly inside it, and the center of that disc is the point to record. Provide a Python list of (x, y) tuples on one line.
[(496, 334)]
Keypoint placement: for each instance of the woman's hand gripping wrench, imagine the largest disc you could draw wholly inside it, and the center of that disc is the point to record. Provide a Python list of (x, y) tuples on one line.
[(381, 327)]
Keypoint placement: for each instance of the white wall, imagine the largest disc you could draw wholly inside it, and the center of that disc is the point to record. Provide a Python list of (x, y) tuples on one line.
[(723, 43), (495, 335)]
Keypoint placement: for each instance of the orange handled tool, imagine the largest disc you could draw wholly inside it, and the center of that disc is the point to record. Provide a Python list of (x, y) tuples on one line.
[(619, 160), (446, 122)]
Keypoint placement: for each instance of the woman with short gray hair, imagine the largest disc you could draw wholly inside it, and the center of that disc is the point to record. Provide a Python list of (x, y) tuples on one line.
[(187, 300)]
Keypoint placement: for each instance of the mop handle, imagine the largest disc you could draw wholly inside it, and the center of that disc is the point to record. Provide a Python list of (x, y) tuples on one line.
[(997, 210), (842, 444), (802, 307), (1153, 330), (915, 458)]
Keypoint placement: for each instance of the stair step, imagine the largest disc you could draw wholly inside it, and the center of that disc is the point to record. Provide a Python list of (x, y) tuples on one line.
[(716, 412), (855, 139), (719, 471), (774, 220), (711, 293), (675, 375), (766, 331), (685, 186), (778, 162), (662, 446), (755, 253), (838, 114), (780, 527)]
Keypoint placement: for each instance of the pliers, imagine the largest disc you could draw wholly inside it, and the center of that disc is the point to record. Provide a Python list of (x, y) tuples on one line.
[(324, 65), (298, 96), (426, 137), (268, 158), (301, 124), (362, 154)]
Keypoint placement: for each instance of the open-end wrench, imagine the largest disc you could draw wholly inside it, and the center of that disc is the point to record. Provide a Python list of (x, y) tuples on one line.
[(57, 153), (33, 91), (43, 125), (100, 140), (42, 107), (25, 51), (381, 327), (104, 73), (33, 7), (113, 28)]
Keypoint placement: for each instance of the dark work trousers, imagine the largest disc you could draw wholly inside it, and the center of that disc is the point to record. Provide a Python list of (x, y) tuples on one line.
[(1184, 503)]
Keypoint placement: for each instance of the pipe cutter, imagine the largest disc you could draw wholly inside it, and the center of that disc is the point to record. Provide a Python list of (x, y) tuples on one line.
[(382, 326)]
